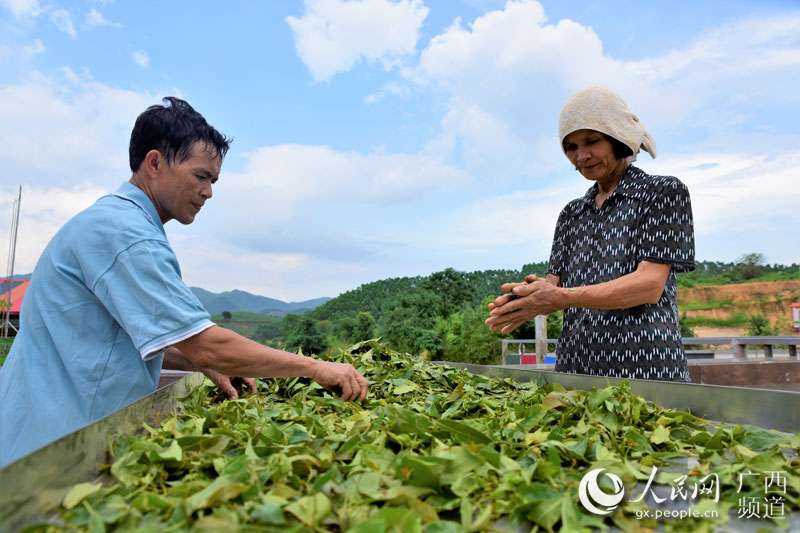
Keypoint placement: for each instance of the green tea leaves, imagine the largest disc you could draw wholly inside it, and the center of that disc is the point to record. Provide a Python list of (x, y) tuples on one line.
[(434, 449)]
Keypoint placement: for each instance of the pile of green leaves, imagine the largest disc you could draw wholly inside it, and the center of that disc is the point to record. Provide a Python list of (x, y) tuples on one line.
[(433, 449)]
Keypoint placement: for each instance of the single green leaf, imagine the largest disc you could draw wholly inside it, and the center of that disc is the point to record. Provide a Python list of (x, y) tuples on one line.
[(80, 491), (173, 453), (756, 438), (221, 489), (269, 513), (660, 435), (311, 510), (464, 433)]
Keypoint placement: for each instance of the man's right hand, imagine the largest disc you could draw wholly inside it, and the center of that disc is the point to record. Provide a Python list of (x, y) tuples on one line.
[(341, 378), (231, 354)]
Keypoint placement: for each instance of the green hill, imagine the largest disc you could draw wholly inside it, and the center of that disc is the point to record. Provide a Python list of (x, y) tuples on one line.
[(379, 296)]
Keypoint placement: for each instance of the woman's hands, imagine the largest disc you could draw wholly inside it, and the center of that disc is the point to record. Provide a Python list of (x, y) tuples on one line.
[(537, 296), (645, 285)]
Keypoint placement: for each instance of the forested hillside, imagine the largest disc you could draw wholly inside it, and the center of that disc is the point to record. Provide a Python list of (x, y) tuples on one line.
[(442, 315), (449, 286)]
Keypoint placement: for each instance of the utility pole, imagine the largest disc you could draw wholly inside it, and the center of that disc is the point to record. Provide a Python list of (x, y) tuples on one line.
[(12, 250)]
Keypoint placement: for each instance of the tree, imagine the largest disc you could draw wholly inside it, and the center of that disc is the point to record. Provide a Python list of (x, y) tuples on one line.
[(307, 337), (345, 328), (324, 326), (408, 323), (468, 339), (751, 265), (451, 288), (267, 331), (226, 315), (364, 328), (758, 326)]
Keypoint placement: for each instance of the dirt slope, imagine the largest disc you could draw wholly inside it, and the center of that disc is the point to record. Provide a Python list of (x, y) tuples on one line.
[(772, 299)]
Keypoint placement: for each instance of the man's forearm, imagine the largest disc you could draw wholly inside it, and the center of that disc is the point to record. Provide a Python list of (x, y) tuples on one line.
[(234, 355)]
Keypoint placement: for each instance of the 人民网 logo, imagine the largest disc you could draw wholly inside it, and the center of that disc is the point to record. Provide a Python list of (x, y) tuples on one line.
[(592, 496)]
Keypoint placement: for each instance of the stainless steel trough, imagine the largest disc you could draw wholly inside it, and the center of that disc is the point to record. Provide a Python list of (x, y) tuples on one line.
[(32, 488)]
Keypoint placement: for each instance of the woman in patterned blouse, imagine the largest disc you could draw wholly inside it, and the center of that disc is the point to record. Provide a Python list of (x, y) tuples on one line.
[(615, 253)]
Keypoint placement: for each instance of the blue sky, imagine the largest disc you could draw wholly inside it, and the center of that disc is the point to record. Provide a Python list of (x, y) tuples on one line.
[(379, 138)]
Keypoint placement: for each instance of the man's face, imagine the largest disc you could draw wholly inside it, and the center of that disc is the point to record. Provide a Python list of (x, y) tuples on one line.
[(183, 187)]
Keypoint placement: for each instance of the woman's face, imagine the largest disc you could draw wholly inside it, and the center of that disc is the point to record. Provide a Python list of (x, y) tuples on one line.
[(593, 155)]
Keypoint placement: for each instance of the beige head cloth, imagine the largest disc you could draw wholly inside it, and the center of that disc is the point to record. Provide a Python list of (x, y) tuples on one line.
[(600, 109)]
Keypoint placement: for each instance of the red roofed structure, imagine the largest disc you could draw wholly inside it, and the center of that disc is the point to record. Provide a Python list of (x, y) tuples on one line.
[(18, 288)]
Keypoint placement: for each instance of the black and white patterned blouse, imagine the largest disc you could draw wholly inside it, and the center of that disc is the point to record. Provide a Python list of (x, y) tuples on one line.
[(646, 218)]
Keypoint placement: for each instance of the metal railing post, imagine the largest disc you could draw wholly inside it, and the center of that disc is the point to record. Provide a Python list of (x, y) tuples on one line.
[(541, 338)]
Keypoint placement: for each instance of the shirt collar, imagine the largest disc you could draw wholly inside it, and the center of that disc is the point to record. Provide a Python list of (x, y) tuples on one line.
[(629, 185), (130, 192)]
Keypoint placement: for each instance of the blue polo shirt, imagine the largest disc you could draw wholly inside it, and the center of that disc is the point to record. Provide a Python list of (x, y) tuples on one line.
[(105, 299)]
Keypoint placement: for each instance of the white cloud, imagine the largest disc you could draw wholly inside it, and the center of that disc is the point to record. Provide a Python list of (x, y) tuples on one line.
[(58, 131), (285, 189), (328, 205), (141, 58), (504, 78), (506, 75), (23, 8), (294, 174), (66, 129), (43, 210), (739, 203), (278, 275), (398, 89), (721, 75), (333, 35), (522, 219), (74, 130), (36, 47), (95, 18), (739, 192), (63, 21)]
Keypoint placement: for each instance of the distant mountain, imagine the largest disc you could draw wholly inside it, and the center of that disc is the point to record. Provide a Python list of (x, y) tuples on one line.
[(237, 300)]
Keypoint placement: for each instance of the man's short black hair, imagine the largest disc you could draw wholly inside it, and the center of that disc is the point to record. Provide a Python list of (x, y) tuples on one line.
[(172, 129), (621, 150)]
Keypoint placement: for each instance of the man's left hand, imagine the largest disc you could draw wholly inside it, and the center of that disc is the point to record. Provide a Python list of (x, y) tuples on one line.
[(226, 384)]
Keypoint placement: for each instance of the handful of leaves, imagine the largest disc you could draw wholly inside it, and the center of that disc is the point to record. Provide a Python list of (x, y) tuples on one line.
[(434, 449)]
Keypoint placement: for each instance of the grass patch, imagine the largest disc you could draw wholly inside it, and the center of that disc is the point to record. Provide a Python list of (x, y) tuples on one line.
[(688, 280), (250, 325), (790, 275), (736, 320), (245, 316), (701, 306), (5, 347)]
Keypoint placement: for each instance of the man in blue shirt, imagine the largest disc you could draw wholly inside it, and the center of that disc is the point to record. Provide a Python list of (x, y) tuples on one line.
[(106, 308)]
